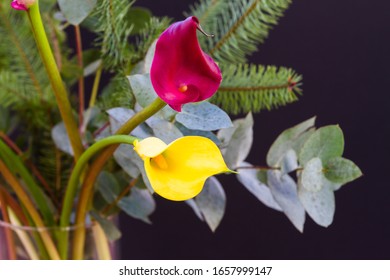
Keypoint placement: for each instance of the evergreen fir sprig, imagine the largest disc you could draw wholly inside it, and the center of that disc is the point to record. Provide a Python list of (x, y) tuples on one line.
[(238, 26), (247, 87), (207, 10), (113, 32), (23, 81), (148, 34)]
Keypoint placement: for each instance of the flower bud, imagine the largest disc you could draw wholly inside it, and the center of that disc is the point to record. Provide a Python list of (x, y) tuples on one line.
[(22, 4)]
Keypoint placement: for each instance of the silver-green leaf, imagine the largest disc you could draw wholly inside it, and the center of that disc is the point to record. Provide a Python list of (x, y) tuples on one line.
[(289, 139), (320, 205), (144, 94), (164, 129), (312, 175), (75, 11), (284, 190), (139, 204), (119, 116), (212, 202), (237, 141), (341, 170), (327, 142), (125, 154), (248, 177), (203, 116), (61, 139)]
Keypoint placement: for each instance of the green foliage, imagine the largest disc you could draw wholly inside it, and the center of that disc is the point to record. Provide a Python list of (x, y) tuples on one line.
[(113, 32), (292, 138), (147, 35), (341, 170), (54, 165), (325, 143), (247, 87), (76, 11), (320, 171), (239, 26), (117, 93), (23, 82)]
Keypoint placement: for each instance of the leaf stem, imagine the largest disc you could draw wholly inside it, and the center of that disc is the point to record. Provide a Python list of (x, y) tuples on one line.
[(92, 100), (258, 167), (48, 60), (79, 49)]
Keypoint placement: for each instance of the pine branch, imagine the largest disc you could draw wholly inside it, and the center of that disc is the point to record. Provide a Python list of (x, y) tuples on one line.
[(239, 26), (207, 10), (23, 81), (113, 32), (253, 88), (147, 36)]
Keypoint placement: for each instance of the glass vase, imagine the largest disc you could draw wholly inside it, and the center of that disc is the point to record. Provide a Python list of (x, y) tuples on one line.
[(25, 242)]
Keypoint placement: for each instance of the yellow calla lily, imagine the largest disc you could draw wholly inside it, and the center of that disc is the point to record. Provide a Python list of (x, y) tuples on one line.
[(179, 170)]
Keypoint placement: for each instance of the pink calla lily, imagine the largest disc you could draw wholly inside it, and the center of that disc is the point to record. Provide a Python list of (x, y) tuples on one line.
[(22, 5), (181, 72)]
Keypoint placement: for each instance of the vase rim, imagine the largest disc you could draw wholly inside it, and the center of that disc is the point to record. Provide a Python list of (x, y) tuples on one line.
[(42, 229)]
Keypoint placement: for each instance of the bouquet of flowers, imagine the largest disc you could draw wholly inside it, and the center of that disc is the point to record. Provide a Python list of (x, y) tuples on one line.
[(159, 125)]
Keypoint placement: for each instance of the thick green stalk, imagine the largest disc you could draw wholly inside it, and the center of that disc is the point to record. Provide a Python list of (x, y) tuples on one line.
[(55, 79), (73, 184), (14, 183), (97, 166), (17, 167)]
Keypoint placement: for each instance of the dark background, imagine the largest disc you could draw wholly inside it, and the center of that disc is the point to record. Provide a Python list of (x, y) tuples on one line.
[(342, 50)]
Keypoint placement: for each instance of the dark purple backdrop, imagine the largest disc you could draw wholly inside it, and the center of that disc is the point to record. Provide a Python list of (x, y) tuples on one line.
[(342, 50)]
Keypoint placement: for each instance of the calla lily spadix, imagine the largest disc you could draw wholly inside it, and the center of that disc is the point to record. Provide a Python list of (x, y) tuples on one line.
[(22, 4), (181, 72), (179, 170)]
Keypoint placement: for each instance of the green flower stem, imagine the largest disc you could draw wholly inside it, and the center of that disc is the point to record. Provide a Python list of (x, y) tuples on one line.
[(29, 205), (101, 243), (43, 203), (97, 166), (92, 99), (9, 238), (73, 184), (63, 103)]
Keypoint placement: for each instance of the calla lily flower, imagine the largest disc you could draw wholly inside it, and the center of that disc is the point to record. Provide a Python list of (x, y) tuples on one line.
[(181, 72), (22, 4), (179, 170)]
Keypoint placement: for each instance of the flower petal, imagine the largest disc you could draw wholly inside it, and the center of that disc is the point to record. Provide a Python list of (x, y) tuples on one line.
[(181, 72), (149, 147), (188, 162), (18, 6)]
